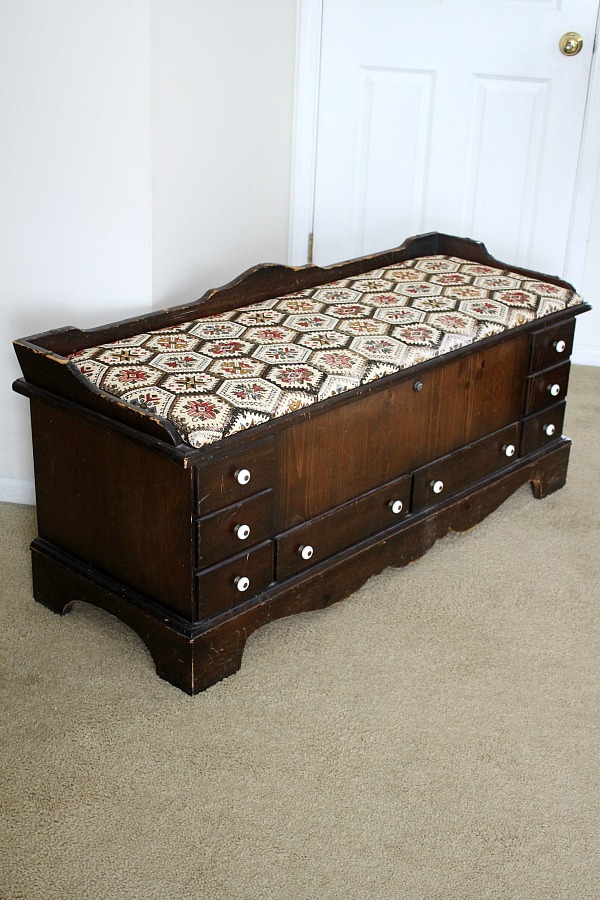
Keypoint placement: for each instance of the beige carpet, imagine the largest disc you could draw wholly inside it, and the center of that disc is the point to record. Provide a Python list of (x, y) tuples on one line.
[(436, 736)]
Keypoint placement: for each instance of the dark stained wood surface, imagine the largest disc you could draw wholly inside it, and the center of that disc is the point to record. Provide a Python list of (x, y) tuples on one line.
[(539, 387), (329, 459), (545, 349), (128, 514), (195, 659), (342, 527), (217, 485), (217, 588), (464, 467), (115, 503), (217, 537), (534, 435)]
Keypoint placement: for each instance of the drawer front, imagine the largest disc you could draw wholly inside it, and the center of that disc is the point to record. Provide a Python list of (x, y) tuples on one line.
[(543, 428), (546, 388), (233, 529), (230, 479), (552, 346), (314, 541), (364, 444), (452, 473), (233, 582)]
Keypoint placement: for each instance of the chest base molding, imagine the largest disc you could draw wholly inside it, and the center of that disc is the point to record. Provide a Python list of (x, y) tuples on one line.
[(194, 656)]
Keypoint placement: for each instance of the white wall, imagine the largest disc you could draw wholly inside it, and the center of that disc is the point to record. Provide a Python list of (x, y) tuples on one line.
[(222, 111), (75, 183), (587, 332)]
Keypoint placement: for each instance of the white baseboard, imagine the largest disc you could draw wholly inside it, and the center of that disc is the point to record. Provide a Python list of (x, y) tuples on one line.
[(17, 490), (586, 356)]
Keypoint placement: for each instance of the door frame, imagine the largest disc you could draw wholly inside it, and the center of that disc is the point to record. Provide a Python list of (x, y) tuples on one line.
[(304, 148)]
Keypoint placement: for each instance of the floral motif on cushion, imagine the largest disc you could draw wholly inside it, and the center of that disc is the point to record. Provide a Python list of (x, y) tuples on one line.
[(220, 374)]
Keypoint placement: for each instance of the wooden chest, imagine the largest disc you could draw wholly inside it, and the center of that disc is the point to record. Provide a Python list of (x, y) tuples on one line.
[(292, 509)]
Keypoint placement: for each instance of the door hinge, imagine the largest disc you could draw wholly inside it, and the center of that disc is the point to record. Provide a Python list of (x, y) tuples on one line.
[(311, 238)]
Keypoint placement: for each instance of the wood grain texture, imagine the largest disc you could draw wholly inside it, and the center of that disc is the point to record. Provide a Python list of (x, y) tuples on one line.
[(217, 587), (458, 470), (327, 460), (342, 527), (544, 352), (217, 485), (113, 502), (194, 658), (216, 535), (534, 436), (538, 387), (133, 521)]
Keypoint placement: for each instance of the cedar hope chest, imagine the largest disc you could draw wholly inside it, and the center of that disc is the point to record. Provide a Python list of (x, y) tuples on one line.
[(205, 469)]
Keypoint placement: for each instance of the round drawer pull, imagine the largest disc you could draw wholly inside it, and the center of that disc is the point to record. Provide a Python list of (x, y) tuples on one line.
[(418, 386), (242, 476), (242, 583), (550, 429), (396, 506), (437, 487), (242, 532), (305, 551), (509, 450), (554, 389), (560, 346)]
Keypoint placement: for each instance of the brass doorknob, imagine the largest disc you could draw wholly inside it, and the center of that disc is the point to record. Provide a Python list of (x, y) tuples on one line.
[(570, 43)]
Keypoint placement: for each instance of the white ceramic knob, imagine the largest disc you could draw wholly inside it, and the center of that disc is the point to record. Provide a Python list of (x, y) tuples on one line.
[(560, 346), (306, 551), (242, 583), (550, 429), (554, 389), (509, 449), (242, 532), (437, 487), (397, 506), (242, 476)]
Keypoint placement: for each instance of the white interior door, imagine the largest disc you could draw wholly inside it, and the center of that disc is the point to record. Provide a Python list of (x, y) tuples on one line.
[(450, 115)]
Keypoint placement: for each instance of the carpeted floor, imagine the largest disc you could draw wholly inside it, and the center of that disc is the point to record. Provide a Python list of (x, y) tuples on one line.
[(436, 736)]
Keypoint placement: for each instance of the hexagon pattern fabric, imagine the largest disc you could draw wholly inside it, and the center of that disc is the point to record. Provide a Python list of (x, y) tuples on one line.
[(216, 375)]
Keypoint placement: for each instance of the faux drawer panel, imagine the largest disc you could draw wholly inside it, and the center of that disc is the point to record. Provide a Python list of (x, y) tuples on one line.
[(551, 346), (225, 481), (233, 529), (543, 428), (224, 586), (452, 473), (546, 388), (341, 527)]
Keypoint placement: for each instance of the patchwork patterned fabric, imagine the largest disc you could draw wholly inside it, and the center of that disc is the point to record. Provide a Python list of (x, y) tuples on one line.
[(224, 373)]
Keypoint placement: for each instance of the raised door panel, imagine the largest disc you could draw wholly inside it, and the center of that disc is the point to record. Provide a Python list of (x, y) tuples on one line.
[(508, 120), (393, 153), (459, 116)]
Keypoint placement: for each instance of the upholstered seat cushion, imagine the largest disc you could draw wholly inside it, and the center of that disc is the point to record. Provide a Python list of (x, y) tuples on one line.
[(216, 375)]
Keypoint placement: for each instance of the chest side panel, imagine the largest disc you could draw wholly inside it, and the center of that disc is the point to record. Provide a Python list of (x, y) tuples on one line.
[(114, 503), (334, 456)]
